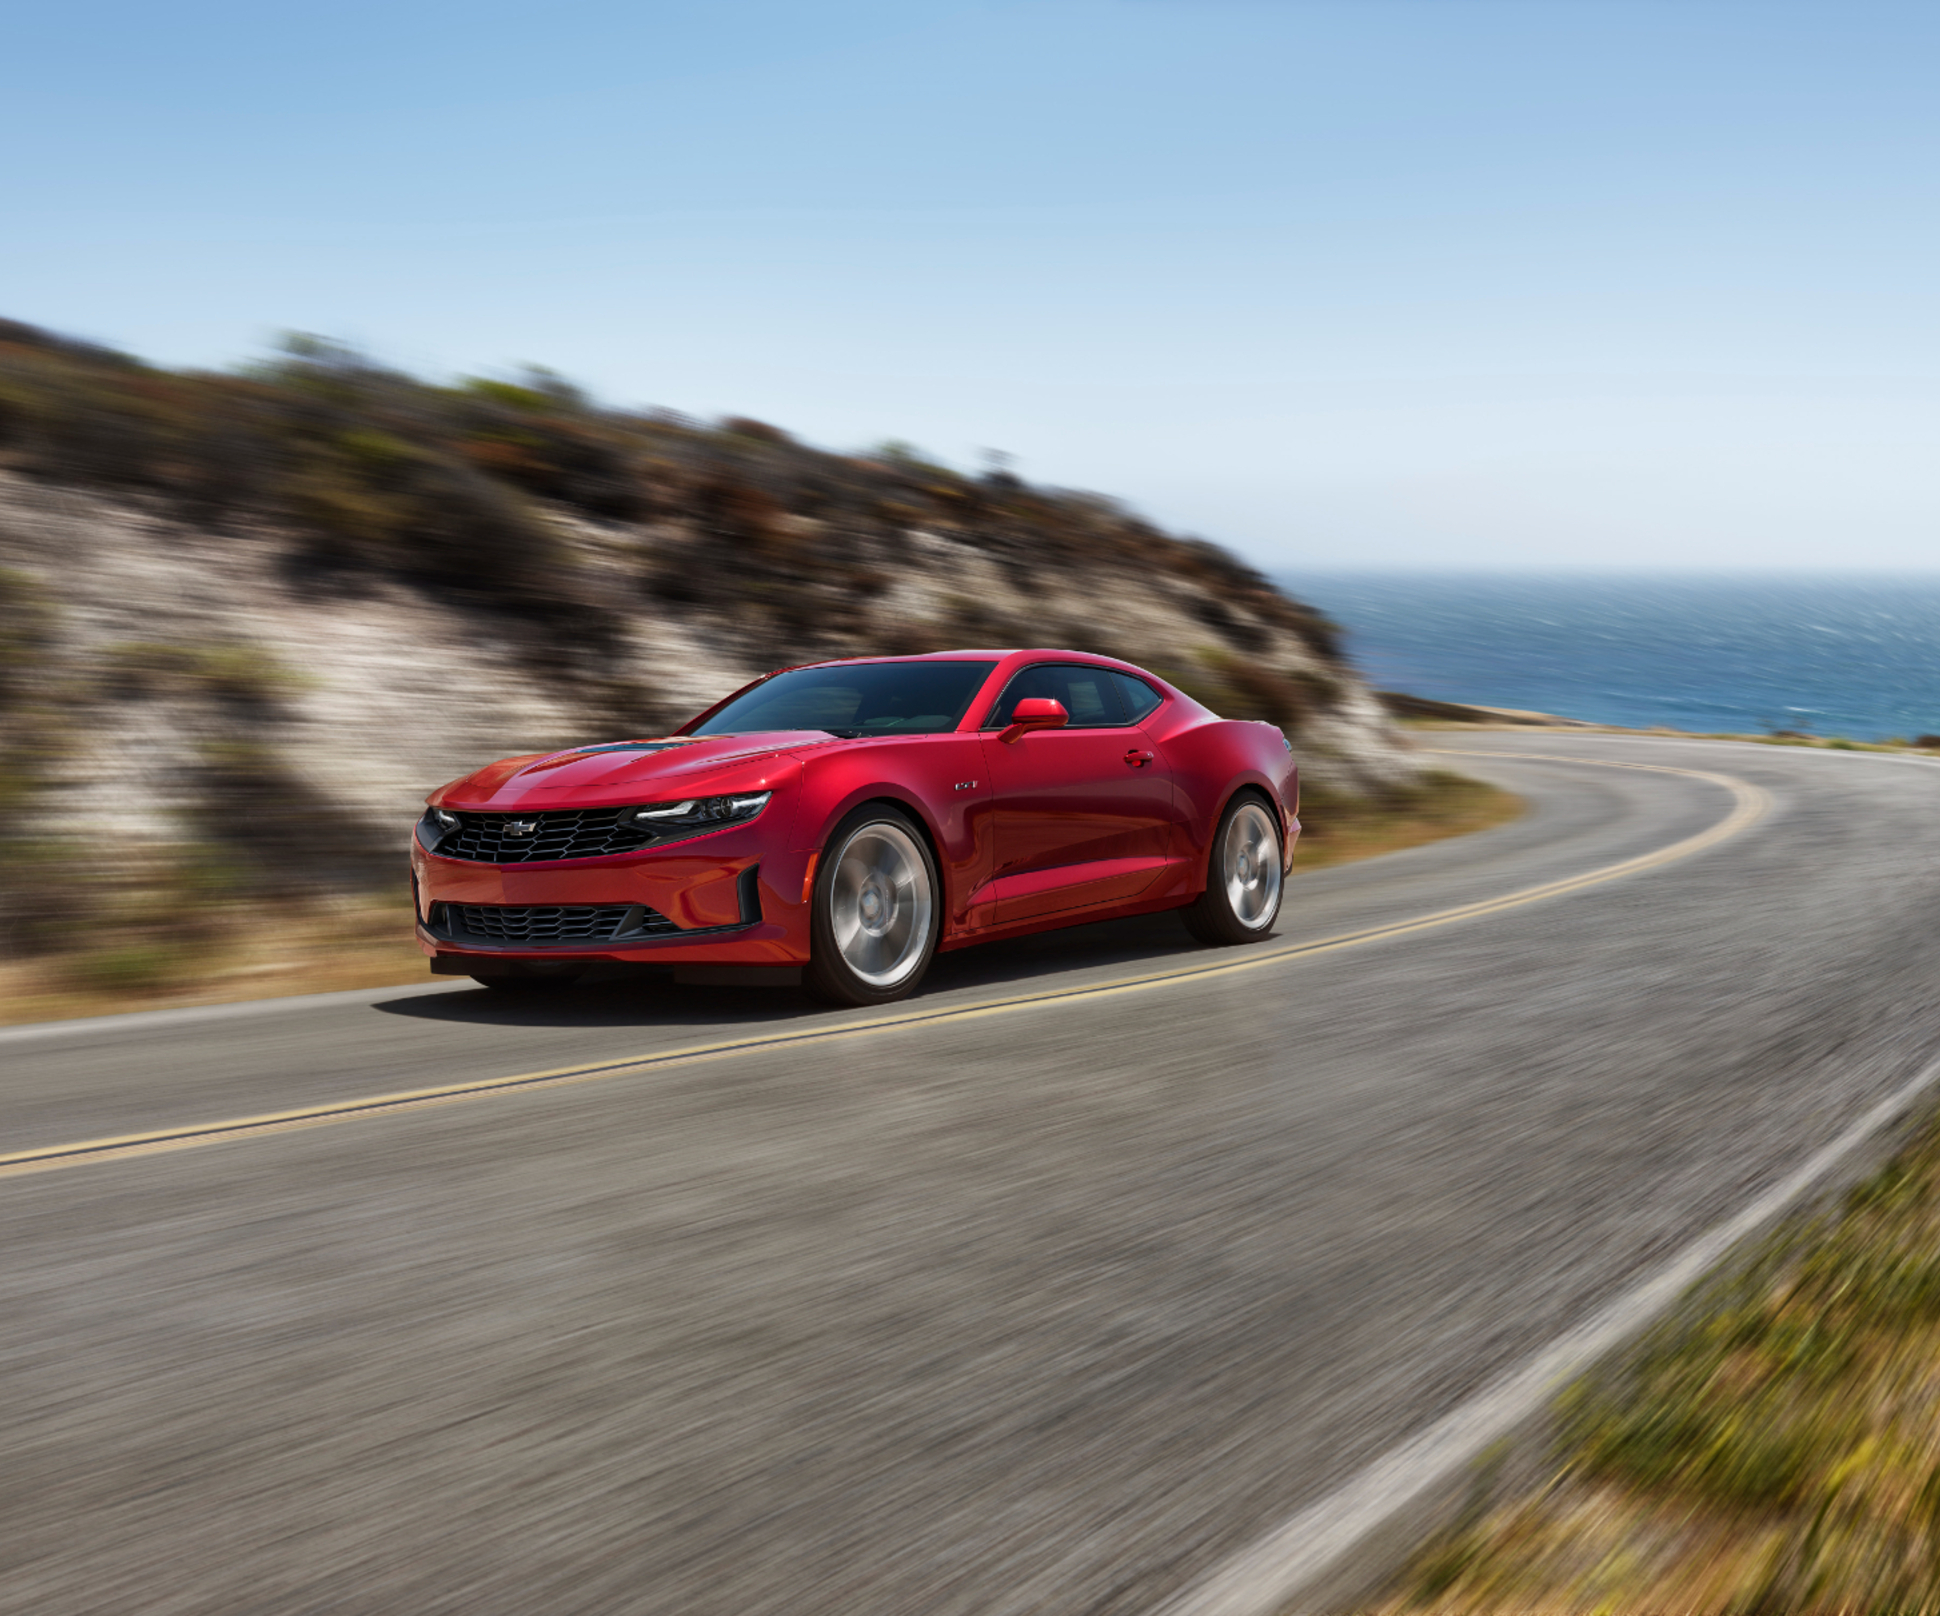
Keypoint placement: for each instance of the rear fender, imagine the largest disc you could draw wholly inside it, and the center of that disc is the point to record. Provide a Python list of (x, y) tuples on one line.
[(1211, 763)]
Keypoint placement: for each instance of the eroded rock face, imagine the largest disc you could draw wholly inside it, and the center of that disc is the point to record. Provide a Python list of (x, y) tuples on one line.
[(178, 662)]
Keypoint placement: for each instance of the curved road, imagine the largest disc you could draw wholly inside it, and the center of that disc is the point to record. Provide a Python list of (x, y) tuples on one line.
[(1051, 1308)]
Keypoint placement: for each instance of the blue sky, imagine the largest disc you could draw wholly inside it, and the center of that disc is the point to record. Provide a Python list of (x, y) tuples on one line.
[(1341, 283)]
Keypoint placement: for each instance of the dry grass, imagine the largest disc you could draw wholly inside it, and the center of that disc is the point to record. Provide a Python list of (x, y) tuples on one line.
[(315, 948), (1337, 828), (1776, 1450)]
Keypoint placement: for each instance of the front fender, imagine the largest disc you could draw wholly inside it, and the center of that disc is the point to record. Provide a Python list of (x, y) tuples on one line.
[(939, 779)]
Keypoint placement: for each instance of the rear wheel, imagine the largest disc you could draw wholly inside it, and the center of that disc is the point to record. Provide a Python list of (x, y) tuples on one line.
[(877, 912), (1242, 896)]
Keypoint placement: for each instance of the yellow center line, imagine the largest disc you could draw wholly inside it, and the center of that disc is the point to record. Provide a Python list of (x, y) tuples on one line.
[(1750, 803)]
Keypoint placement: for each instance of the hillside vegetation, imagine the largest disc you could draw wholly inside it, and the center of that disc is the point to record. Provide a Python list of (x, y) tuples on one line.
[(247, 619), (460, 490)]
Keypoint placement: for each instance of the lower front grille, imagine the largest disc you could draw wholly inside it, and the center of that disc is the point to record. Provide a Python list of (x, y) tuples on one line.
[(540, 925)]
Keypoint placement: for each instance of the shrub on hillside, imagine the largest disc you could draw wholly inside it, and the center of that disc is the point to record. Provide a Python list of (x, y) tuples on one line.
[(448, 487)]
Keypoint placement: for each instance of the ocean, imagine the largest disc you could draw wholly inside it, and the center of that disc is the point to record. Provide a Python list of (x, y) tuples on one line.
[(1835, 655)]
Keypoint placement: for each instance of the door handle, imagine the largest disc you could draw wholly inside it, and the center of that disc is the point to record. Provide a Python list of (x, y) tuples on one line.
[(1138, 759)]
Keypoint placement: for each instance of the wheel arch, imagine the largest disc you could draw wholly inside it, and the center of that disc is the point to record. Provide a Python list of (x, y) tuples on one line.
[(1253, 788), (1242, 786), (915, 811), (910, 808)]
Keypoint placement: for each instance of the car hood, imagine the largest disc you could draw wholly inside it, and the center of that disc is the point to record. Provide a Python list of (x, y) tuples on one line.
[(629, 771)]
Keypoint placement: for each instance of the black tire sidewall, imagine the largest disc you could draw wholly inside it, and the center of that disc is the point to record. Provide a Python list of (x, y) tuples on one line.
[(828, 975)]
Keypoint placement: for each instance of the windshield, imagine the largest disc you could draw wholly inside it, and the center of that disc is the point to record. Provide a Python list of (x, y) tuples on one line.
[(856, 698)]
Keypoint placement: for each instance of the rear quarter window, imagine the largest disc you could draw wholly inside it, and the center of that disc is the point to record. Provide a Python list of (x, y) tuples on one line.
[(1139, 697)]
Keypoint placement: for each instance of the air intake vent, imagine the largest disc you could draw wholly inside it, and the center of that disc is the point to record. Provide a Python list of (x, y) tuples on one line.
[(541, 925)]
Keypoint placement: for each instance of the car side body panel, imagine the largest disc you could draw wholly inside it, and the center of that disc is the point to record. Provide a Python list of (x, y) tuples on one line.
[(1077, 822)]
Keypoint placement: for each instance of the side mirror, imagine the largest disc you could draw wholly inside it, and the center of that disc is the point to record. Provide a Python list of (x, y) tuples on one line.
[(1034, 712)]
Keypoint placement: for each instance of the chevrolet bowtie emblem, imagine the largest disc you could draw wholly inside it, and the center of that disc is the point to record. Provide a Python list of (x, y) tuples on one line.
[(521, 827)]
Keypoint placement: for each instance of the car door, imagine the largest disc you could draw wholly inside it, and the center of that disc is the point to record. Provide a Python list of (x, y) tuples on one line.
[(1082, 814)]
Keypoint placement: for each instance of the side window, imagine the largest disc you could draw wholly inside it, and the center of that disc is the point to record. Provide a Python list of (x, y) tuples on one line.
[(1089, 695), (1139, 697)]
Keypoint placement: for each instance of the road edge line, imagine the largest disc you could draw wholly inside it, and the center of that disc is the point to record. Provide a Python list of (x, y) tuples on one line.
[(1343, 1547)]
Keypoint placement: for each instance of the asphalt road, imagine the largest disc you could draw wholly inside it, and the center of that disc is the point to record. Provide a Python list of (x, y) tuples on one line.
[(1048, 1310)]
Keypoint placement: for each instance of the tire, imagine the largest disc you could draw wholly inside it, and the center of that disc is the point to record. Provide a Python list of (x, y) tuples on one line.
[(1243, 876), (526, 981), (878, 910)]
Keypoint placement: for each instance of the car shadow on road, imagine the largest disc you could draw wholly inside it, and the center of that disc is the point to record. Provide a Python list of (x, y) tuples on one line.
[(622, 996)]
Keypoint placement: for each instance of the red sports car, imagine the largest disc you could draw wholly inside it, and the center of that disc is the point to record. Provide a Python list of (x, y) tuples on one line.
[(835, 825)]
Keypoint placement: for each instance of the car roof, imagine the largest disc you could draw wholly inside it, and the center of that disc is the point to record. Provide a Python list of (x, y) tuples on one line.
[(986, 655)]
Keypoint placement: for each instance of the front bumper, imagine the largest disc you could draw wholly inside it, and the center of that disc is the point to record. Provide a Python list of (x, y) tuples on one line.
[(732, 898)]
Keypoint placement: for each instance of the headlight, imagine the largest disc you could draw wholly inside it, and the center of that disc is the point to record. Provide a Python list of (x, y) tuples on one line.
[(666, 819), (435, 827)]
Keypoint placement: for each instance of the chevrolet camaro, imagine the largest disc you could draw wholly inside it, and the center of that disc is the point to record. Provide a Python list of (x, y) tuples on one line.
[(836, 825)]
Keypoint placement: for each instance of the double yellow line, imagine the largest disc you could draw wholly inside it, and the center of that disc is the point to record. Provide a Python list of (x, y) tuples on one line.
[(1749, 803)]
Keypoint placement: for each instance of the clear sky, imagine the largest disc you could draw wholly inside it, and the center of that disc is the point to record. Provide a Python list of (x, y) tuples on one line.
[(1341, 283)]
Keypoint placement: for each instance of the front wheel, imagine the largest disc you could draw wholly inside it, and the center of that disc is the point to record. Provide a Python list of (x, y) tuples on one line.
[(877, 912), (1242, 896)]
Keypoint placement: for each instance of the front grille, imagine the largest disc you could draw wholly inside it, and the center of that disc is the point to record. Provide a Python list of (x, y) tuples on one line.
[(568, 833), (541, 924)]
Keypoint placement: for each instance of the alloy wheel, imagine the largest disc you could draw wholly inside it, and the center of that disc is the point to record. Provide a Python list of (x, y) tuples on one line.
[(1251, 860), (880, 904)]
